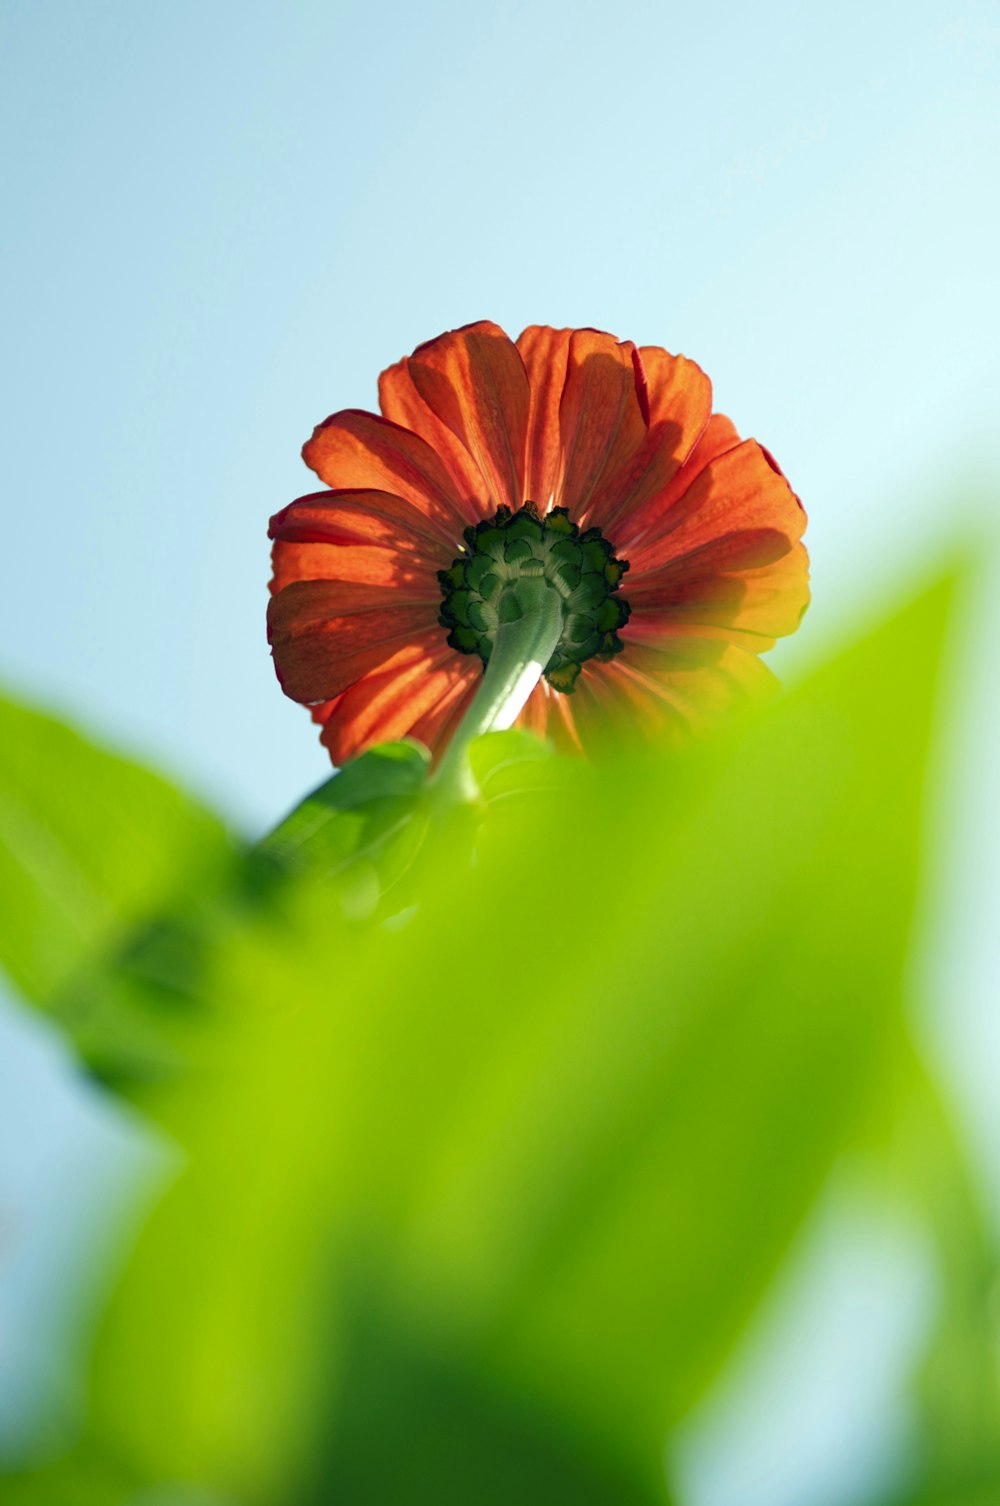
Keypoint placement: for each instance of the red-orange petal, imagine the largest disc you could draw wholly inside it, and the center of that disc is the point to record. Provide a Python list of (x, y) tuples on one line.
[(325, 635), (767, 603), (397, 700), (704, 678), (665, 693), (436, 726), (657, 702), (739, 490), (358, 451), (601, 423), (549, 714), (466, 393), (677, 396), (402, 404), (368, 537), (637, 527), (610, 707), (545, 353)]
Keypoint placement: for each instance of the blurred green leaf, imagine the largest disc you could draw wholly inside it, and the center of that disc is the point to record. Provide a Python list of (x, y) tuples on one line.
[(516, 775), (89, 845), (691, 993), (356, 814), (111, 884), (976, 1485), (81, 1479), (508, 762), (956, 1389), (564, 1117), (417, 1423)]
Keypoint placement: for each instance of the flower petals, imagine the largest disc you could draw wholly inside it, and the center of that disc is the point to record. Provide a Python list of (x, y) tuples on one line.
[(601, 423), (677, 397), (353, 450), (325, 635), (642, 525), (624, 438), (704, 676), (741, 488), (765, 604), (401, 698), (466, 393), (545, 353), (665, 697), (609, 707), (369, 537), (436, 726)]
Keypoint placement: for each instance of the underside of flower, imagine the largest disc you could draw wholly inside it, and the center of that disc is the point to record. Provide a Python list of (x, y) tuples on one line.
[(582, 567), (425, 559)]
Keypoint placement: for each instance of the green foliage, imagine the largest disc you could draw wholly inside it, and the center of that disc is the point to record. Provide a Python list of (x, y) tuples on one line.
[(89, 844), (357, 816), (497, 1122)]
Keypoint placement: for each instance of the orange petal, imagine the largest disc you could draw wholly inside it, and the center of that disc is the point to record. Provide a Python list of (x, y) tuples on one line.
[(402, 404), (355, 517), (365, 566), (466, 393), (437, 726), (639, 525), (704, 679), (323, 710), (677, 396), (325, 635), (739, 490), (368, 537), (741, 549), (549, 714), (601, 423), (562, 723), (767, 603), (661, 697), (393, 701), (667, 694), (545, 353), (354, 450), (610, 707)]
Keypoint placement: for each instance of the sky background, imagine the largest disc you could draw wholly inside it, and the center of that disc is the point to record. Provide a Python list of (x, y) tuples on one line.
[(223, 220)]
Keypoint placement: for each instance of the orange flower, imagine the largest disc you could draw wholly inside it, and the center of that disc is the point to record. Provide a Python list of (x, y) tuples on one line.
[(585, 457)]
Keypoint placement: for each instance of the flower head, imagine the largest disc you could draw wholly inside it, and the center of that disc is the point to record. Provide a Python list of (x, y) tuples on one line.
[(674, 546)]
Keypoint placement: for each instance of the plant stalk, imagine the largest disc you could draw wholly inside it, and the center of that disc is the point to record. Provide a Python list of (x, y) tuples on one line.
[(521, 650)]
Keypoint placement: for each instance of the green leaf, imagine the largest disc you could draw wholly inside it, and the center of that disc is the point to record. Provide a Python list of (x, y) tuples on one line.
[(89, 845), (112, 884), (563, 1117), (513, 764), (80, 1479), (377, 788), (141, 1014), (957, 1390), (417, 1424), (682, 1002), (973, 1485), (362, 828)]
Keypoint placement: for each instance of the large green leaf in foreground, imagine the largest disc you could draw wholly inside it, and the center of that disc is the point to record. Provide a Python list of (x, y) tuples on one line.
[(487, 1193)]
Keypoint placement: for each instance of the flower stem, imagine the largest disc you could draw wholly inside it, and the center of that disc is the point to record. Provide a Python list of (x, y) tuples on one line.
[(521, 649)]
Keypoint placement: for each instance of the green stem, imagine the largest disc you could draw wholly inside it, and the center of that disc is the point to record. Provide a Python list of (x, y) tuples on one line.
[(521, 650)]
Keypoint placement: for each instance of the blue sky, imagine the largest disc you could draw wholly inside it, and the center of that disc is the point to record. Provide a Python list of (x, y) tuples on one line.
[(224, 219), (228, 218)]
